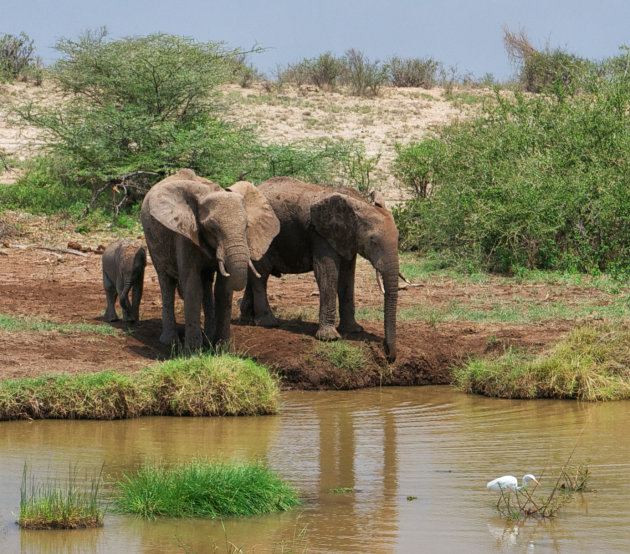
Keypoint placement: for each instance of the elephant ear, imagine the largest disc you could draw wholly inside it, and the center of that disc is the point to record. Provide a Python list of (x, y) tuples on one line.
[(262, 223), (174, 205), (378, 199), (334, 217)]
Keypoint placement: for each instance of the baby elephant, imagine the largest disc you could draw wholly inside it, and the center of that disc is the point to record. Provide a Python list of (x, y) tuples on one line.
[(123, 269)]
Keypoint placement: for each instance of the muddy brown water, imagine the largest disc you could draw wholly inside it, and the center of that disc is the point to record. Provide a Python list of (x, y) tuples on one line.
[(385, 444)]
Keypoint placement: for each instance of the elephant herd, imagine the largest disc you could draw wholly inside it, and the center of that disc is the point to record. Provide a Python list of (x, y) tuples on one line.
[(206, 242)]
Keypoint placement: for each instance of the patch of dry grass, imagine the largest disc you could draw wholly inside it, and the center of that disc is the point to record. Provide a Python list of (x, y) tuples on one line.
[(592, 364)]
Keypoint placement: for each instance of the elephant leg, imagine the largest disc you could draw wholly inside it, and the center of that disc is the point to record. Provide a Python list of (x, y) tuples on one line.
[(208, 306), (345, 291), (123, 296), (111, 294), (136, 296), (263, 315), (326, 268), (167, 288), (222, 313), (193, 294), (247, 302)]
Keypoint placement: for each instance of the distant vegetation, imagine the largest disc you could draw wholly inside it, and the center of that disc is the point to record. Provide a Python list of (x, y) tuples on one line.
[(363, 77), (198, 386), (139, 108), (17, 58), (203, 489), (536, 178), (533, 181)]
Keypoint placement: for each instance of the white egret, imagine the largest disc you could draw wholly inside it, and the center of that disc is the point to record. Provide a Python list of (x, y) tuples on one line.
[(510, 483)]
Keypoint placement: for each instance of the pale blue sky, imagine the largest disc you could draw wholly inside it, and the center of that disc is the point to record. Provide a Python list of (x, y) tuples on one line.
[(463, 33)]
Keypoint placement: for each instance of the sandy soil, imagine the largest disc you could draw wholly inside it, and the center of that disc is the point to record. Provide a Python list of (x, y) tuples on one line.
[(287, 115), (397, 115)]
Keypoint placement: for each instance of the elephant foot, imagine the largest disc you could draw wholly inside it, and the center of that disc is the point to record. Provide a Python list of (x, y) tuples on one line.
[(327, 333), (168, 338), (246, 319), (350, 328), (110, 316), (267, 320)]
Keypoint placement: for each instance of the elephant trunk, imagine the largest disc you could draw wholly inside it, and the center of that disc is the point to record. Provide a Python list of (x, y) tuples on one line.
[(124, 296), (235, 257), (390, 284)]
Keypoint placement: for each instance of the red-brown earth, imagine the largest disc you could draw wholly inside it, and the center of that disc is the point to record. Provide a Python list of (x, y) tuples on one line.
[(64, 288)]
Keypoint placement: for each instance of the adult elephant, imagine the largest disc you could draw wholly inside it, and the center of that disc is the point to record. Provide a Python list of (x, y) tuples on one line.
[(323, 229), (195, 229)]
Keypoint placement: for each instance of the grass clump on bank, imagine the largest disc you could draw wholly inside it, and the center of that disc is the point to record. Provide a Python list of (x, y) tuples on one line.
[(204, 489), (197, 386), (342, 355), (592, 364), (52, 506)]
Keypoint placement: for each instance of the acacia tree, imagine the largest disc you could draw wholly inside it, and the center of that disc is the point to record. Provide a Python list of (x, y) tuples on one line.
[(136, 104)]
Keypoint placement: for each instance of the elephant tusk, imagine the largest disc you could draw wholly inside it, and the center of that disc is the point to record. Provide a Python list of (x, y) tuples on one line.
[(403, 278), (379, 280), (251, 266), (222, 269)]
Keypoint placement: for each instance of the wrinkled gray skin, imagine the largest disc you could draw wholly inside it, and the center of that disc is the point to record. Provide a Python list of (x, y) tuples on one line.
[(323, 229), (123, 271), (195, 229)]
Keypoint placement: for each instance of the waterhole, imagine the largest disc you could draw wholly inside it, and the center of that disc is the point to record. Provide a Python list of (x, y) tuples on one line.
[(380, 470)]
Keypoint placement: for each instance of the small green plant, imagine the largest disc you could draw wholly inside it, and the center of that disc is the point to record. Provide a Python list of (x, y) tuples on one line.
[(575, 478), (341, 490), (203, 489), (411, 497), (520, 504), (359, 168), (54, 506), (342, 355)]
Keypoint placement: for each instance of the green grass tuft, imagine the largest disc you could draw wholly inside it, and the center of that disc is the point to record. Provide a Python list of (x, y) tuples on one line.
[(196, 386), (592, 364), (51, 506), (203, 489), (342, 355), (18, 324)]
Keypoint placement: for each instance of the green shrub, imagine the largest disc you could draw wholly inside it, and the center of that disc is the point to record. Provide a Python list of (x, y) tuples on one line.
[(414, 165), (537, 182), (141, 103), (325, 71), (45, 188), (552, 69), (412, 72), (203, 489), (365, 77), (17, 56)]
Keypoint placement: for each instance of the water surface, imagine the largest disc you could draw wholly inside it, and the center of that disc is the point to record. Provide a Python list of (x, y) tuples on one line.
[(384, 444)]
